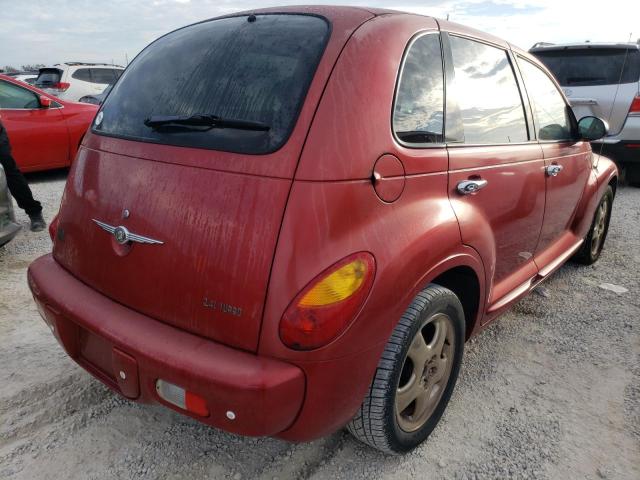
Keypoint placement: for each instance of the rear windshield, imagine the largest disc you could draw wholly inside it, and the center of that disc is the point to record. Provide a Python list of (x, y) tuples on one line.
[(47, 77), (590, 67), (248, 68)]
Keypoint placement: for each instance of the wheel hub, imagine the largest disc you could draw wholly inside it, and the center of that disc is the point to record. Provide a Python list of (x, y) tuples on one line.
[(425, 372)]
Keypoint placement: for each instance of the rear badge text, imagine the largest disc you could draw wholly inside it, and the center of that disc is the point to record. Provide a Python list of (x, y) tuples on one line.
[(222, 307)]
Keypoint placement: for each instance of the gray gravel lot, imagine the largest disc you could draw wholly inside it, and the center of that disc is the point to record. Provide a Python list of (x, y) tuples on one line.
[(551, 390)]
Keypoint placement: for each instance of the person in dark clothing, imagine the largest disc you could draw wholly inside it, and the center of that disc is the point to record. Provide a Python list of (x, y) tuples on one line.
[(18, 185)]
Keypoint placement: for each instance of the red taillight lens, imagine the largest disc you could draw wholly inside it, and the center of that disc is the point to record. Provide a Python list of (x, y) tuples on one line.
[(182, 398), (62, 86), (635, 105), (53, 227), (328, 305)]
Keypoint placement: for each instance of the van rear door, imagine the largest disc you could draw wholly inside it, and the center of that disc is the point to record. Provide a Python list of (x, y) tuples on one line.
[(174, 205)]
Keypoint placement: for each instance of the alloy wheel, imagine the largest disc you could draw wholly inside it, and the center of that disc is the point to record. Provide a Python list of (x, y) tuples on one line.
[(599, 227), (425, 372)]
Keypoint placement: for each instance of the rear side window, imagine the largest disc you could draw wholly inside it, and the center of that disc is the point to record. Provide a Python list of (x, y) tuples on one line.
[(487, 94), (103, 75), (83, 74), (550, 112), (48, 77), (14, 97), (592, 66), (418, 114), (254, 69)]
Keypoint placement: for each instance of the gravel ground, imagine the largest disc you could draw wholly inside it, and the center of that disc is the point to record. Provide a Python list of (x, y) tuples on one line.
[(551, 390)]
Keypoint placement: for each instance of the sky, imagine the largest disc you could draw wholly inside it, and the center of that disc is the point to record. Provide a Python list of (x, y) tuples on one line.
[(48, 32)]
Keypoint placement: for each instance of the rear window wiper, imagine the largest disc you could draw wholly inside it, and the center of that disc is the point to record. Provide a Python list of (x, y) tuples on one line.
[(207, 121)]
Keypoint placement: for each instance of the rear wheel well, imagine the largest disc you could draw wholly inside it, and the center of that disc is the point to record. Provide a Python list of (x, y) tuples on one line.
[(614, 185), (464, 283)]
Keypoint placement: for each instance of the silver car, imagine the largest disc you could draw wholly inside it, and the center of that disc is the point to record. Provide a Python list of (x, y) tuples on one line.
[(8, 226), (602, 79)]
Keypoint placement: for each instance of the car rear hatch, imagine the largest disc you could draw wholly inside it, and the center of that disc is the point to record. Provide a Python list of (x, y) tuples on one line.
[(49, 80), (213, 192), (598, 80)]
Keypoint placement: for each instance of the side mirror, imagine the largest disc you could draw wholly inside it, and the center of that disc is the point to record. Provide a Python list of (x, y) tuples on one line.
[(592, 128), (45, 102)]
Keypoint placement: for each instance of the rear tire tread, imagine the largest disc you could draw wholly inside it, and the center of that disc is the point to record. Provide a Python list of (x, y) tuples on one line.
[(368, 425)]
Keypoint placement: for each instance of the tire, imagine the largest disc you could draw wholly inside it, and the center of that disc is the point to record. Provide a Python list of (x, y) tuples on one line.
[(594, 241), (632, 174), (436, 316)]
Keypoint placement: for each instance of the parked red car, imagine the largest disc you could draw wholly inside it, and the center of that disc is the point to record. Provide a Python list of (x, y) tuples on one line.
[(45, 132), (300, 230)]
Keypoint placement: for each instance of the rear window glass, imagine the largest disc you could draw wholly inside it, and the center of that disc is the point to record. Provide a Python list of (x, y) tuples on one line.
[(252, 69), (487, 93), (83, 74), (48, 77), (418, 115), (591, 67), (103, 75)]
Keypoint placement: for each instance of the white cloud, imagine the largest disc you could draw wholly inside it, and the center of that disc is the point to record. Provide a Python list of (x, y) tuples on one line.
[(36, 32)]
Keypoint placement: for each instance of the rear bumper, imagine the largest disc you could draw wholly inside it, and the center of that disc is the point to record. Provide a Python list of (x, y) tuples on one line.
[(106, 338), (622, 152), (625, 146)]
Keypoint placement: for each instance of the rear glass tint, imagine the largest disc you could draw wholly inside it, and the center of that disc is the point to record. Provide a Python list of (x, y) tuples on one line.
[(418, 114), (591, 67), (83, 74), (255, 69), (48, 77), (103, 75), (487, 94)]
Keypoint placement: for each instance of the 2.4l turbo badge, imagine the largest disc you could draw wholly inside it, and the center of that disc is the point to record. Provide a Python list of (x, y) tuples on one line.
[(222, 307)]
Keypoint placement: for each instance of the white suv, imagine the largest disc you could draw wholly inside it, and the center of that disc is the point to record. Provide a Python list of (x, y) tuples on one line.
[(73, 80), (602, 79)]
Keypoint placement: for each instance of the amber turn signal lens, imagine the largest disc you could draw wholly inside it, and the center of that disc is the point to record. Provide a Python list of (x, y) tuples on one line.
[(337, 286), (327, 306)]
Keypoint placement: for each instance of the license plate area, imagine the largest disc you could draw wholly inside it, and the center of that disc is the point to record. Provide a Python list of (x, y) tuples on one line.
[(113, 366)]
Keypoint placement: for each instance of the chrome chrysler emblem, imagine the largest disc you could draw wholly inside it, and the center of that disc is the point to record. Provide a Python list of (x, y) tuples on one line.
[(123, 236)]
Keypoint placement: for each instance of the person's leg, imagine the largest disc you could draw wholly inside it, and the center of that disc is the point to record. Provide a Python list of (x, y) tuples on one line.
[(20, 190)]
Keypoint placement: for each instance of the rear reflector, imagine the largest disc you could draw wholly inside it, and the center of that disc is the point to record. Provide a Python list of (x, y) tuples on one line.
[(182, 398)]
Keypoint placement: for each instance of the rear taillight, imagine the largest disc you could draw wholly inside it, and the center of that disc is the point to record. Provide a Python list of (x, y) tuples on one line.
[(53, 227), (328, 305), (62, 86), (635, 106)]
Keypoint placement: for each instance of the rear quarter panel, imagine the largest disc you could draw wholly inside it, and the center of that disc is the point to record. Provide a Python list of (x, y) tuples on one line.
[(333, 211)]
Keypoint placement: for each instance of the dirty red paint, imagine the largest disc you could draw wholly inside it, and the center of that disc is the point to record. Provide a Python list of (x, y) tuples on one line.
[(244, 235)]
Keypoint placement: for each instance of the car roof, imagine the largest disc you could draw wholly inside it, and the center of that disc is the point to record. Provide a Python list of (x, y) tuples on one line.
[(550, 47), (332, 11)]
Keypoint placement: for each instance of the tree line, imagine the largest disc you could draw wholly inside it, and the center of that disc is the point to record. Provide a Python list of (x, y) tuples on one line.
[(25, 68)]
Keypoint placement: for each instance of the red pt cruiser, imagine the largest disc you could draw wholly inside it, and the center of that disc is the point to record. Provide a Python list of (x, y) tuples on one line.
[(289, 221)]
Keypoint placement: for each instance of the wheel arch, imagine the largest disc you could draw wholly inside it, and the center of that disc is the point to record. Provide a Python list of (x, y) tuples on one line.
[(463, 274), (464, 282)]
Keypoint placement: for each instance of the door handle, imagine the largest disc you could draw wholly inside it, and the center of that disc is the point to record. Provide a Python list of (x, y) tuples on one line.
[(469, 187), (554, 170)]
